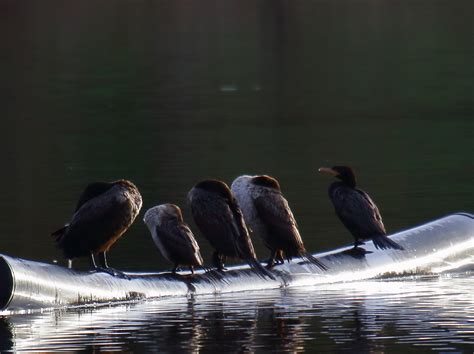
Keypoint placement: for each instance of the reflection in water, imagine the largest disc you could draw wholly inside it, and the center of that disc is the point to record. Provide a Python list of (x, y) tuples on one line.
[(276, 328), (365, 316), (6, 341)]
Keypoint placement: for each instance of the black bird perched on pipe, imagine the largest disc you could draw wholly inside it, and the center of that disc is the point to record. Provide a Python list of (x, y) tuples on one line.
[(104, 212), (220, 220), (356, 209), (268, 213), (172, 236)]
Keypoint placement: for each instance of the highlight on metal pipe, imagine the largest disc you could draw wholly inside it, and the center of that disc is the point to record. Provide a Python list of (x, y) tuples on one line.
[(442, 245)]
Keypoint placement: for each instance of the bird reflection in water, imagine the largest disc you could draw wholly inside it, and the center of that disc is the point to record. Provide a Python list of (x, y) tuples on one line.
[(177, 332), (287, 331), (6, 335), (354, 329), (351, 330), (226, 329)]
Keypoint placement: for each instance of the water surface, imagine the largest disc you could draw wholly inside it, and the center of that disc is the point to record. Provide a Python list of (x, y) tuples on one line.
[(168, 93), (410, 314)]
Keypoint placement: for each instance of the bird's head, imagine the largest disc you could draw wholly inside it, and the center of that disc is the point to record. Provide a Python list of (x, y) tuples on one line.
[(266, 181), (158, 214), (215, 186), (344, 173), (241, 182), (124, 183)]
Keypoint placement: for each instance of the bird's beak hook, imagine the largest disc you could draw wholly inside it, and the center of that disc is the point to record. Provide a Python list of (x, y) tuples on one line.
[(328, 171)]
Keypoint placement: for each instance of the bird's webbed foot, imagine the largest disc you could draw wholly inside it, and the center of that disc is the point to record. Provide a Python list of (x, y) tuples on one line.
[(191, 268), (176, 269), (104, 267), (280, 259), (113, 272), (358, 243), (218, 261), (273, 260), (270, 263)]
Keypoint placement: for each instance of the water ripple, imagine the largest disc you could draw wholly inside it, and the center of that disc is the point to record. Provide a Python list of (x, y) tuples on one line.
[(425, 312)]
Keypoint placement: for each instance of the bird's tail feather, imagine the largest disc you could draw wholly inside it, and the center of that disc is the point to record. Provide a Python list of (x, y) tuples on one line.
[(205, 268), (58, 234), (261, 270), (383, 242), (309, 257)]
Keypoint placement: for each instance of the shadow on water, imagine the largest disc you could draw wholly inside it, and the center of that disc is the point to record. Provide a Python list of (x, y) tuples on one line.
[(435, 313)]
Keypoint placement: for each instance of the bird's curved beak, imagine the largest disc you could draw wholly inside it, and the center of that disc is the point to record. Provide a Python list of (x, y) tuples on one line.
[(328, 171)]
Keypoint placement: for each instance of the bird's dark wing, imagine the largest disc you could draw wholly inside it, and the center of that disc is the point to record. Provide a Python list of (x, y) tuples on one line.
[(358, 212), (244, 244), (275, 213), (215, 220), (221, 221), (179, 241), (91, 191)]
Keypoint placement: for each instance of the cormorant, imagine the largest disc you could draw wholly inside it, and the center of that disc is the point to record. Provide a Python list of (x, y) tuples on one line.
[(268, 214), (172, 236), (104, 212), (219, 218), (356, 209)]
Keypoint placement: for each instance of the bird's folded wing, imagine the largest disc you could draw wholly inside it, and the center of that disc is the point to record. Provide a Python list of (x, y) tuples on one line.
[(276, 214)]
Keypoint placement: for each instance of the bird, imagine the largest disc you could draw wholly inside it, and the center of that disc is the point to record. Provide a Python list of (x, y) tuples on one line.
[(357, 210), (172, 236), (104, 212), (219, 218), (268, 214)]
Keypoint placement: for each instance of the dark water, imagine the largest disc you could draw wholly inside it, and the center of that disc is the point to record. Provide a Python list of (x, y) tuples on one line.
[(166, 93), (409, 315)]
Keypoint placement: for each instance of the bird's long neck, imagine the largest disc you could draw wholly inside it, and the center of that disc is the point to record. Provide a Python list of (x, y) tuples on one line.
[(350, 183), (336, 185), (349, 180)]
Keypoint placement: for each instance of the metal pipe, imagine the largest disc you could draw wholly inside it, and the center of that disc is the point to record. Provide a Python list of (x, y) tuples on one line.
[(441, 245)]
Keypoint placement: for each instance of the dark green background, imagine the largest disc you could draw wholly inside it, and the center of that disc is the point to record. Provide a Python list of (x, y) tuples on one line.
[(166, 93)]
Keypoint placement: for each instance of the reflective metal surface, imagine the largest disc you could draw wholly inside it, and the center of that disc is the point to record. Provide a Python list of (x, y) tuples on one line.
[(441, 245)]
